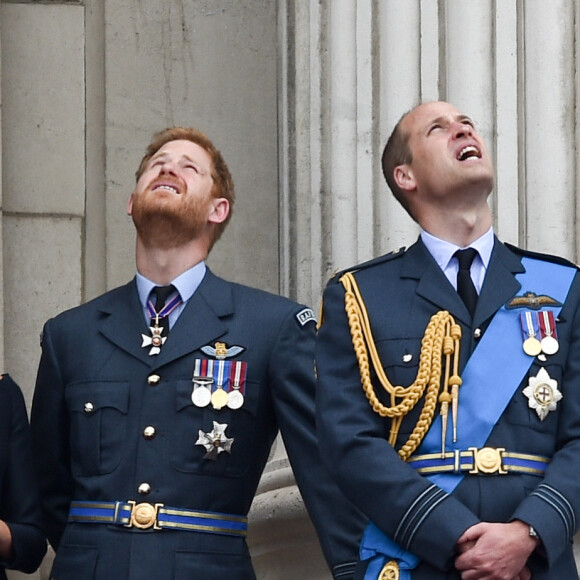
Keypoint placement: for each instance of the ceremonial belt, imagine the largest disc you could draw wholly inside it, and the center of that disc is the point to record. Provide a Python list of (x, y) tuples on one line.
[(480, 461), (157, 516)]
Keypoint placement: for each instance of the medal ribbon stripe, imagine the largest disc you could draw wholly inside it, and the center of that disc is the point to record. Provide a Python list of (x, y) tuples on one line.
[(166, 310), (222, 374), (226, 374), (547, 324), (238, 375)]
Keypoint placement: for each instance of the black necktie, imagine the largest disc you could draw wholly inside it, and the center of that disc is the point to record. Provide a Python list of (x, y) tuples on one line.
[(465, 286), (159, 296)]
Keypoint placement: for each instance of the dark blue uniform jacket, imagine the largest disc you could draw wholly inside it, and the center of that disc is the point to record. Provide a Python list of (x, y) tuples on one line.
[(93, 354), (402, 292)]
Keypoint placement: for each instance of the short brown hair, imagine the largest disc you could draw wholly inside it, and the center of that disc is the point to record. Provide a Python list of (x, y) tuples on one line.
[(397, 152), (223, 184)]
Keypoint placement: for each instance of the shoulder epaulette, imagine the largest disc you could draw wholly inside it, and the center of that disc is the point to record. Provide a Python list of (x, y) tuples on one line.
[(379, 260), (541, 256)]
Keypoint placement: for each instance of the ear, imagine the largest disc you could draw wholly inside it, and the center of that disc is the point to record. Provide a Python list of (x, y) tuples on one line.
[(130, 205), (219, 211), (404, 177)]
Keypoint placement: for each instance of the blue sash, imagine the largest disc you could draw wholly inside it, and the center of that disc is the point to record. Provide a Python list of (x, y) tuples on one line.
[(478, 412)]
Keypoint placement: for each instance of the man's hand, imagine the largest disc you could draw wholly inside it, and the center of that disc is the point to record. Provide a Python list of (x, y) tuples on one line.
[(495, 551), (5, 541)]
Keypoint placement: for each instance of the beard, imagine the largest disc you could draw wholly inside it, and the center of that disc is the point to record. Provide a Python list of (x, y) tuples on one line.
[(165, 223)]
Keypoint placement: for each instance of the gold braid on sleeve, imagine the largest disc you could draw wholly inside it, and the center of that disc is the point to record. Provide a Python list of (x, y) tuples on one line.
[(437, 382)]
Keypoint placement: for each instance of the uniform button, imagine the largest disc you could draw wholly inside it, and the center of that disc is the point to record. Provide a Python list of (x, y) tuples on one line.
[(144, 489), (407, 357), (89, 407), (153, 379), (477, 333), (149, 432)]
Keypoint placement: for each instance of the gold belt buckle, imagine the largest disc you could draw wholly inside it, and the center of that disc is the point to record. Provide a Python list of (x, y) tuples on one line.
[(144, 515), (390, 571), (487, 460)]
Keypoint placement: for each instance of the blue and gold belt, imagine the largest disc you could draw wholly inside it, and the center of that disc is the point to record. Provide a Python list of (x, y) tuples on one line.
[(143, 516), (480, 461)]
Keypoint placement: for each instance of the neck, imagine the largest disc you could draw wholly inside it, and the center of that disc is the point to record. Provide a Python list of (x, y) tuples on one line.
[(460, 227), (163, 265)]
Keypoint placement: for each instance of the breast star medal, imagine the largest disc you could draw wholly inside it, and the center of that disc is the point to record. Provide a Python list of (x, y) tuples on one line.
[(542, 393), (216, 441)]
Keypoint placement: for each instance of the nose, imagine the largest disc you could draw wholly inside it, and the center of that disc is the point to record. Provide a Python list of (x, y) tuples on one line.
[(168, 166), (462, 130)]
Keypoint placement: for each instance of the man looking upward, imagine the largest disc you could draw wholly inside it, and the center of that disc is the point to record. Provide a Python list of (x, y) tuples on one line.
[(453, 423), (157, 403)]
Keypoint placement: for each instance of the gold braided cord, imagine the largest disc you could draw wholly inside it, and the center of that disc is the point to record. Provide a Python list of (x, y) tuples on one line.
[(442, 337)]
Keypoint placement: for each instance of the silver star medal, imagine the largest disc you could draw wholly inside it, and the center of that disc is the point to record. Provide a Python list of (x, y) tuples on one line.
[(542, 393), (215, 442), (156, 341)]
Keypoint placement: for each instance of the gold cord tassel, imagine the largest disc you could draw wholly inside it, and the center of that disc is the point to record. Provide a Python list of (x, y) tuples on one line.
[(442, 337)]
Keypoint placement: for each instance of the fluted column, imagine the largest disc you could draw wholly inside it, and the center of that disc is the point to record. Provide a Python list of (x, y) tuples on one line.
[(550, 159)]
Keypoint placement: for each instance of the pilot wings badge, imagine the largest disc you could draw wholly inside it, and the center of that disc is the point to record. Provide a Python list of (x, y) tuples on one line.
[(221, 351)]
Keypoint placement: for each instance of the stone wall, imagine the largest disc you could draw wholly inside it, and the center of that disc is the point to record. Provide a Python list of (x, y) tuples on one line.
[(300, 96)]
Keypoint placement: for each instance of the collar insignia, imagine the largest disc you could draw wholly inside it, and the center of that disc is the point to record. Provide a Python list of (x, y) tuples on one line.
[(531, 300)]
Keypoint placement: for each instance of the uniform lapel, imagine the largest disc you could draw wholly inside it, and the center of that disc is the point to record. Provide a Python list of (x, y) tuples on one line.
[(499, 286), (432, 284), (500, 283), (200, 323), (122, 321)]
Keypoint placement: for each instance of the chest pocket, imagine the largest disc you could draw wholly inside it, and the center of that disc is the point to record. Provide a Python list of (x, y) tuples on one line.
[(400, 360), (98, 425), (188, 457)]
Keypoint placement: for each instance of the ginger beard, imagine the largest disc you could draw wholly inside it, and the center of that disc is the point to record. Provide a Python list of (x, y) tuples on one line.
[(168, 220)]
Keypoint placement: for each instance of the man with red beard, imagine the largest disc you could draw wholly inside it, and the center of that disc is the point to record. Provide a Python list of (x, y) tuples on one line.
[(157, 403)]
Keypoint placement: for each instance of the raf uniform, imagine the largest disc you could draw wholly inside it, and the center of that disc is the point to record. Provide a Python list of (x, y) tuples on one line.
[(401, 293), (114, 424), (19, 498)]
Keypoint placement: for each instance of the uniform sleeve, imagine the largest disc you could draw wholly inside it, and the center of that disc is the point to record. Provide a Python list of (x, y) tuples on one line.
[(20, 507), (420, 517), (338, 524), (50, 432)]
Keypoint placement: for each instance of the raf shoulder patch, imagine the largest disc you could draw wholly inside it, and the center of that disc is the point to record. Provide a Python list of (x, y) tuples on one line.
[(305, 316)]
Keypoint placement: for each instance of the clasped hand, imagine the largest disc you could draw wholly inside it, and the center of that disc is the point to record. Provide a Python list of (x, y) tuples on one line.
[(494, 551)]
